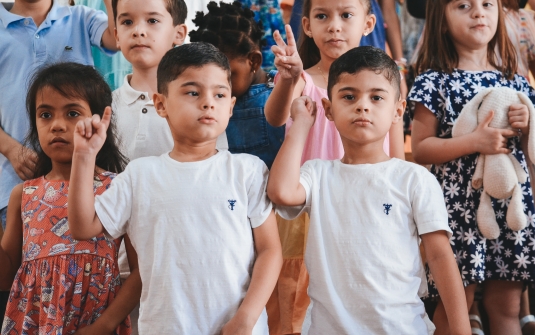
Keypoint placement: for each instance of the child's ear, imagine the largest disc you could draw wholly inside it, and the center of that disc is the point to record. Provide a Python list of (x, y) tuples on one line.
[(159, 104), (327, 106), (181, 31), (117, 38), (369, 24), (255, 57), (232, 103), (305, 22), (400, 109)]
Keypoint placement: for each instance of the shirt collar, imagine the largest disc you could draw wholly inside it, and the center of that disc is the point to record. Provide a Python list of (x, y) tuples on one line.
[(57, 12), (129, 95)]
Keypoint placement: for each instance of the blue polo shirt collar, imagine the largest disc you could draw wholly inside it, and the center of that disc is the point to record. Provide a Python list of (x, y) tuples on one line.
[(57, 12)]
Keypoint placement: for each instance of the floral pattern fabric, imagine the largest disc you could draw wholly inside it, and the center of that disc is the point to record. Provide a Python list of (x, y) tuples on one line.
[(512, 255), (62, 284), (269, 13)]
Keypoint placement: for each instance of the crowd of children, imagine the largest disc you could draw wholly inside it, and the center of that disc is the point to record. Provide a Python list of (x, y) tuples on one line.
[(209, 195)]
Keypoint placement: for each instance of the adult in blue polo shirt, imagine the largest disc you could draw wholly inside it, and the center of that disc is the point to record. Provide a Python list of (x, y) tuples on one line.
[(34, 34)]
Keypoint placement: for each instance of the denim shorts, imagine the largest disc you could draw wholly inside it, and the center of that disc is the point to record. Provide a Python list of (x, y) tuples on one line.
[(3, 214)]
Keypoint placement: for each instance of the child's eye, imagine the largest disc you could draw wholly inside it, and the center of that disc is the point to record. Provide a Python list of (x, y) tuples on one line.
[(349, 97), (193, 93), (220, 95), (45, 115), (347, 15), (126, 22), (321, 16), (73, 114), (488, 4), (377, 98), (153, 21), (463, 6)]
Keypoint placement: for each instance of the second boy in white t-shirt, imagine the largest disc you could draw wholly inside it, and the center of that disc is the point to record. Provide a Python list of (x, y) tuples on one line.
[(367, 211)]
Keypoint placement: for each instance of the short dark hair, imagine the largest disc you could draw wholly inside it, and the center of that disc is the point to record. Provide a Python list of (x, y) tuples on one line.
[(180, 58), (177, 9), (230, 27), (73, 80), (364, 58)]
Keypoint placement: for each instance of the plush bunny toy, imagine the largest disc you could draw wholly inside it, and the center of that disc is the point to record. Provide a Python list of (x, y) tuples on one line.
[(500, 175)]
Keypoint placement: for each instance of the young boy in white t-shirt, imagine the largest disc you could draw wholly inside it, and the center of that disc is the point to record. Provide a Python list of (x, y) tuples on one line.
[(367, 211), (200, 220)]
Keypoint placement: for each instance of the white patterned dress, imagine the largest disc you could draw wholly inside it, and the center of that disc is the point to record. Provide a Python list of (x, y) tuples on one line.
[(512, 255)]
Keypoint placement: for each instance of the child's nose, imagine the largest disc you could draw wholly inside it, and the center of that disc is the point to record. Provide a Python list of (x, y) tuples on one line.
[(335, 25), (58, 125), (139, 30), (208, 103)]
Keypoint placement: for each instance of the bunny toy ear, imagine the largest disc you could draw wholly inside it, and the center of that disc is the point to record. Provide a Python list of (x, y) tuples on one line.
[(467, 121), (531, 142)]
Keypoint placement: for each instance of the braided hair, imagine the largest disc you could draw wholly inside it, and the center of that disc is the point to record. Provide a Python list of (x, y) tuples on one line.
[(229, 27)]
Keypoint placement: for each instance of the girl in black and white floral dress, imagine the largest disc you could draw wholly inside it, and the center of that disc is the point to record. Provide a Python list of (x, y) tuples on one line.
[(470, 51)]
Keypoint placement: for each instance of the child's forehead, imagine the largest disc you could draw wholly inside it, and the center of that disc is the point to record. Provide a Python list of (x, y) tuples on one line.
[(142, 6), (363, 80), (208, 74)]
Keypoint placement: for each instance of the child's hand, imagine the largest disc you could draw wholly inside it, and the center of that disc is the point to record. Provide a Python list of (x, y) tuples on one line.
[(237, 326), (303, 110), (287, 58), (491, 141), (90, 133), (519, 117)]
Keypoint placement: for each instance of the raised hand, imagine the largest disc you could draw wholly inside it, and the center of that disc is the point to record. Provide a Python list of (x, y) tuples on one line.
[(491, 141), (90, 133), (287, 58), (519, 117), (303, 110)]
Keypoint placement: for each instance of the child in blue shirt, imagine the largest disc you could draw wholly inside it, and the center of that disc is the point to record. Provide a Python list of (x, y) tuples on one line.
[(34, 34), (233, 30)]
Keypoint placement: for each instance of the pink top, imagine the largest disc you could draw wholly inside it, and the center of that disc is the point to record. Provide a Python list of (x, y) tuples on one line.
[(323, 141)]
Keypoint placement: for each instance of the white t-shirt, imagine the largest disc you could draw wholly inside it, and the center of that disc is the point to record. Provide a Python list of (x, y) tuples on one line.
[(191, 225), (366, 273), (142, 133)]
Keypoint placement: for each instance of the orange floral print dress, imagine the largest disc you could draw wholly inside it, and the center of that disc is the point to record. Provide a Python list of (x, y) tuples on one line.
[(62, 284)]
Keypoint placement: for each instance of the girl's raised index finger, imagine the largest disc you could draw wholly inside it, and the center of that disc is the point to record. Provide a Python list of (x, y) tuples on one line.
[(106, 117), (290, 36)]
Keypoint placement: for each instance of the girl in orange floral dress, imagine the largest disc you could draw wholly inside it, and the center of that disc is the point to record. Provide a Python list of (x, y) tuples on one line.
[(60, 285)]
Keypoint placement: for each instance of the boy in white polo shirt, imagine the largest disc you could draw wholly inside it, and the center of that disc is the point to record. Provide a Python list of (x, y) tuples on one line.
[(206, 236), (146, 30), (367, 211)]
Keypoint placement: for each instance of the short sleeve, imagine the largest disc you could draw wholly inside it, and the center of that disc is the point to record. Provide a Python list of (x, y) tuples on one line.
[(306, 180), (96, 23), (114, 207), (259, 206), (428, 206), (427, 91), (521, 84)]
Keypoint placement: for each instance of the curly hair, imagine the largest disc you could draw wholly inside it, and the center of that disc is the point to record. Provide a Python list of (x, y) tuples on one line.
[(229, 27)]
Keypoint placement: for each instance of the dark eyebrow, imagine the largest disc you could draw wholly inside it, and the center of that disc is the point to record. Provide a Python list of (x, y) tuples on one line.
[(155, 14), (352, 89), (322, 9), (45, 106), (192, 83)]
